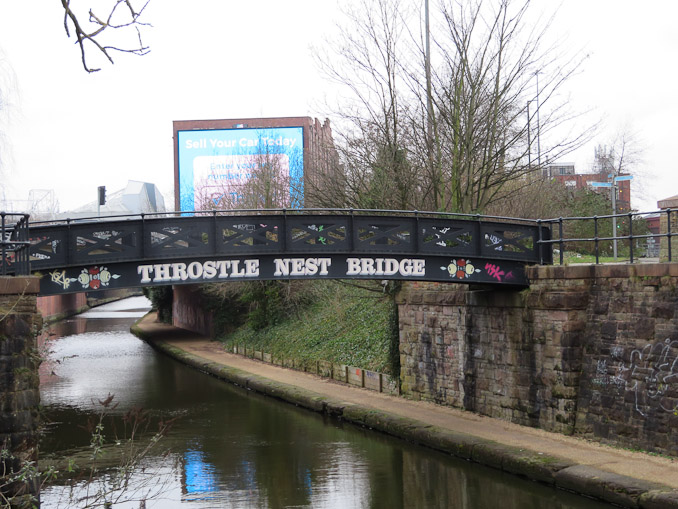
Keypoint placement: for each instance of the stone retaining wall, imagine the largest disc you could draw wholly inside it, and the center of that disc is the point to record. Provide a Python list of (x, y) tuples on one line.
[(57, 307), (19, 383), (351, 375), (591, 350)]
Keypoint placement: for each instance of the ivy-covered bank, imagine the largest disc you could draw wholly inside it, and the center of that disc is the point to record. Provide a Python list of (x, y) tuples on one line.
[(334, 321), (338, 322)]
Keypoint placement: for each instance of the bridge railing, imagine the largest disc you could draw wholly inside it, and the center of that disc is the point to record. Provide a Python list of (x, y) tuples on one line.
[(14, 244), (281, 231), (615, 237), (242, 232)]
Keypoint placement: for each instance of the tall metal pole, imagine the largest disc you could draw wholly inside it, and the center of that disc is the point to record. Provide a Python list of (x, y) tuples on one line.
[(613, 188), (429, 106), (429, 101), (536, 73), (529, 138)]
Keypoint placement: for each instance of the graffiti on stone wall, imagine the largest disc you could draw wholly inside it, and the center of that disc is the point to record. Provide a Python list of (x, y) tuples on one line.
[(651, 374)]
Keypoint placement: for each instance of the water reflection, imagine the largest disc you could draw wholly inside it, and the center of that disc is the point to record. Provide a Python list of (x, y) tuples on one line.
[(233, 448)]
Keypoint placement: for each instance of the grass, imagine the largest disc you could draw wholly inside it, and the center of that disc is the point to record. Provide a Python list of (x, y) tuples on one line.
[(344, 325), (570, 258)]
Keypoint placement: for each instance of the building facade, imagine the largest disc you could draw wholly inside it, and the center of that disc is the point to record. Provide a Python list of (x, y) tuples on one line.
[(218, 162), (565, 173)]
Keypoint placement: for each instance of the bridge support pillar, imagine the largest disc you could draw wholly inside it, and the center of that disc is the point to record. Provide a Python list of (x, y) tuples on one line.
[(19, 385), (588, 349), (514, 355)]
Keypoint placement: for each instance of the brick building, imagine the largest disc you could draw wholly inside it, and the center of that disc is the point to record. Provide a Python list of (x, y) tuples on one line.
[(564, 172)]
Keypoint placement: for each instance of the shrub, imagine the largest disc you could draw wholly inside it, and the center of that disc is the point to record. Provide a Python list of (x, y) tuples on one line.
[(161, 300)]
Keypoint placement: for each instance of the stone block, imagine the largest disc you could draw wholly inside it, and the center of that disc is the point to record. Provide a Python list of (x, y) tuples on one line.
[(659, 499), (19, 285), (644, 328), (664, 310)]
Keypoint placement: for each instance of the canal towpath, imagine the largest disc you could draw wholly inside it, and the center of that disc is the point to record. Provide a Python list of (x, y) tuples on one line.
[(623, 477)]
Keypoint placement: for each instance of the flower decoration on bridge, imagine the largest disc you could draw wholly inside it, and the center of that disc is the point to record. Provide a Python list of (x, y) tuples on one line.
[(96, 277), (461, 269)]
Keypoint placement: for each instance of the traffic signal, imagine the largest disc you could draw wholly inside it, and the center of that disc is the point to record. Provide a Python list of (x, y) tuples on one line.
[(102, 195)]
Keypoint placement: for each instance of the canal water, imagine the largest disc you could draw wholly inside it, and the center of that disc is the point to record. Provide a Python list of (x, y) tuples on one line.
[(230, 448)]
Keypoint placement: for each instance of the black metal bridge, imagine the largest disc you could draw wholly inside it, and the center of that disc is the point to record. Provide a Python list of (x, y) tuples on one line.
[(217, 246)]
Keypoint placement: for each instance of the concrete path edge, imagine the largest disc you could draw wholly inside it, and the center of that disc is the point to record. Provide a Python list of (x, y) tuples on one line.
[(585, 480)]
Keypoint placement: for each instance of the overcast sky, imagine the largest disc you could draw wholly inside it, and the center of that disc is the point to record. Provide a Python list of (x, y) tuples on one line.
[(71, 131)]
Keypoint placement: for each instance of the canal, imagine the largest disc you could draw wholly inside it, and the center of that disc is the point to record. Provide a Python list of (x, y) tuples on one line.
[(228, 447)]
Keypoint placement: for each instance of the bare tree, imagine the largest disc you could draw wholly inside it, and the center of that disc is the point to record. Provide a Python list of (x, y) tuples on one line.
[(375, 167), (270, 184), (7, 91), (461, 154), (246, 179), (120, 15), (622, 154), (532, 197)]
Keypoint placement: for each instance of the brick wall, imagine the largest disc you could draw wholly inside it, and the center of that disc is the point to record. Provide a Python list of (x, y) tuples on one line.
[(57, 307), (19, 382), (590, 350), (188, 311)]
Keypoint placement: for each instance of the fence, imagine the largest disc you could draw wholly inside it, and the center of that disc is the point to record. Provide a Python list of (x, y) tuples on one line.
[(14, 244), (351, 375), (622, 237), (132, 238)]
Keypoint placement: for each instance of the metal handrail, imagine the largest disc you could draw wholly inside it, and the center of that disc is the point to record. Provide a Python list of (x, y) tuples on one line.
[(15, 237), (152, 236), (559, 236), (14, 244), (285, 211)]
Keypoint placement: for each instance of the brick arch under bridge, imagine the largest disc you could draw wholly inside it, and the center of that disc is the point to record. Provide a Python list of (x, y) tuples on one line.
[(219, 246)]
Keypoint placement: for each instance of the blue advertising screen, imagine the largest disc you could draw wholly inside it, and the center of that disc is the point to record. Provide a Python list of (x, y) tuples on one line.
[(241, 168)]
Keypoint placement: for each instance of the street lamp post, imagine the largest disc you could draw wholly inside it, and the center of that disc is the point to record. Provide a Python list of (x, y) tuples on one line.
[(529, 138), (536, 73)]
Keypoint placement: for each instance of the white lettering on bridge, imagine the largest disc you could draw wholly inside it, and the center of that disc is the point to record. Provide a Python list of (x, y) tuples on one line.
[(211, 269)]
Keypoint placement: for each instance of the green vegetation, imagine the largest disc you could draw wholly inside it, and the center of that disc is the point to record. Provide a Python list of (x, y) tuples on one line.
[(334, 321), (570, 258), (161, 300)]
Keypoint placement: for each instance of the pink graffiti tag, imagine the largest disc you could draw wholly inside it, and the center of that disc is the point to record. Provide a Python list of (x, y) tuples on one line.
[(494, 271)]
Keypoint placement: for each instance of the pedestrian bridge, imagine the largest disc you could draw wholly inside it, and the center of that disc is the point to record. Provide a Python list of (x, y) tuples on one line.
[(218, 246)]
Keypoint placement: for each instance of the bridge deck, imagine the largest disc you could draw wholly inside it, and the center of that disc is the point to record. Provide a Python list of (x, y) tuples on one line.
[(142, 250)]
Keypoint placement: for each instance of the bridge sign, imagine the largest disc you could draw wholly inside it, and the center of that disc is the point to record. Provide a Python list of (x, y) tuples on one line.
[(134, 252), (267, 267)]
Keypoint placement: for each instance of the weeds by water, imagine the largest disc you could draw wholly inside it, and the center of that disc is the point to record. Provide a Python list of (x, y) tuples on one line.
[(115, 468)]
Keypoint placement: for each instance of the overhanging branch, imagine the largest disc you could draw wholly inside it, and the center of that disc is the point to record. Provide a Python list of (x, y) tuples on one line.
[(121, 16)]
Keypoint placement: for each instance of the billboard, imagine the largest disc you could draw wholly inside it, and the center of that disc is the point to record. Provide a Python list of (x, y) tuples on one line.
[(243, 167)]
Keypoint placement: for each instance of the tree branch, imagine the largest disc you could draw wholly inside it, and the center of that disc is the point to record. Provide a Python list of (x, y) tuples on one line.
[(92, 34)]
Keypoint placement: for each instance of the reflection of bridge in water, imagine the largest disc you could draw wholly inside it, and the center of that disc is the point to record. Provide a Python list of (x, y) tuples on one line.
[(132, 251)]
